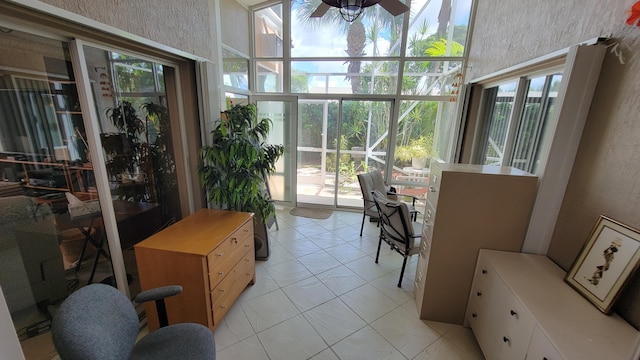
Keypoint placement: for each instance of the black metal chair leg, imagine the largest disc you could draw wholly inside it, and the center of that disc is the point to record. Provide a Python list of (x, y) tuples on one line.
[(364, 214), (404, 264), (379, 245)]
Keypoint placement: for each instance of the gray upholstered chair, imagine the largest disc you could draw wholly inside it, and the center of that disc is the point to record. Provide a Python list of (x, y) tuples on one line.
[(98, 322), (373, 181), (397, 228)]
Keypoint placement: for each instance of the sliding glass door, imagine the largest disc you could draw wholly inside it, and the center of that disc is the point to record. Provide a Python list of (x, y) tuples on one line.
[(337, 140)]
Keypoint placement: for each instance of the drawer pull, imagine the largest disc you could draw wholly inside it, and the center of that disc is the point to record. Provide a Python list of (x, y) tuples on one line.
[(478, 293), (474, 315), (249, 274), (432, 189), (513, 313), (221, 290), (246, 230), (246, 245), (484, 271), (223, 306), (220, 272), (235, 240), (506, 339), (219, 254)]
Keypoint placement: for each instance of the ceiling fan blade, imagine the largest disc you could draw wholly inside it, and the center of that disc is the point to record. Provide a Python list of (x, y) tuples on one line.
[(321, 10), (395, 7)]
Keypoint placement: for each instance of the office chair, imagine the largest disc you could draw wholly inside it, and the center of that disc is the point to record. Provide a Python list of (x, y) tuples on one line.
[(397, 229), (98, 322)]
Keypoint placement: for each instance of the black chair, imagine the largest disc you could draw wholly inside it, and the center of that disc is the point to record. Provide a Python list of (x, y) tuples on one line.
[(397, 228), (98, 322), (370, 182)]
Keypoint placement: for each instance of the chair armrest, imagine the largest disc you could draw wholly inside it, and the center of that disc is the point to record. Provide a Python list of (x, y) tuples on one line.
[(158, 293), (413, 198)]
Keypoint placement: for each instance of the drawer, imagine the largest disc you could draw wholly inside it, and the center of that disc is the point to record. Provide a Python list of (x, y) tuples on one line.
[(541, 348), (232, 242), (223, 266), (226, 293), (516, 325), (427, 224)]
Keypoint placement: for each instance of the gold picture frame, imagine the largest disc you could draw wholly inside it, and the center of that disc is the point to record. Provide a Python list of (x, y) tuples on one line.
[(606, 262)]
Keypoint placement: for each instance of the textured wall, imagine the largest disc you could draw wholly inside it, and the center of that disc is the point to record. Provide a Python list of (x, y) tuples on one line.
[(234, 24), (183, 25), (606, 176)]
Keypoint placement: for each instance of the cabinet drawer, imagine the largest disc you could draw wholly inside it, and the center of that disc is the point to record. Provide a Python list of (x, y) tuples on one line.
[(234, 240), (515, 323), (427, 224), (541, 348), (226, 293), (223, 264)]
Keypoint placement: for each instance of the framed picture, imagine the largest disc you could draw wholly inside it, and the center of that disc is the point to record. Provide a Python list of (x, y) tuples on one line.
[(606, 262)]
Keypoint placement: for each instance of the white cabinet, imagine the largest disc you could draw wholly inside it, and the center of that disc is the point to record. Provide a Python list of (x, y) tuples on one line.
[(521, 308), (469, 207)]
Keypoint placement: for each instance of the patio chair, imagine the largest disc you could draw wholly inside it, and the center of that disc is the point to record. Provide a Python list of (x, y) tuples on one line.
[(373, 181), (397, 229)]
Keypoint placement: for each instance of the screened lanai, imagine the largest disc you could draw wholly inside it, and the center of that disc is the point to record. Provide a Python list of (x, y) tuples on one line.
[(380, 92)]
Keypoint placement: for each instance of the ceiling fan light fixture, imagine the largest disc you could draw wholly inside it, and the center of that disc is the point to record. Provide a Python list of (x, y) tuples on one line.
[(350, 10)]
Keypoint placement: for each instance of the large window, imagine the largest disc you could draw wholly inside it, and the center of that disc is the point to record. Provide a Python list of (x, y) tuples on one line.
[(412, 63), (516, 119)]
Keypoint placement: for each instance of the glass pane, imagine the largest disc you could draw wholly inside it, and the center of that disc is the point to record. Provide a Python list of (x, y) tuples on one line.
[(499, 115), (339, 77), (375, 33), (317, 136), (539, 105), (363, 142), (414, 145), (268, 36), (280, 114), (136, 137), (134, 76), (430, 77), (45, 252), (438, 28), (235, 69), (235, 99), (269, 76)]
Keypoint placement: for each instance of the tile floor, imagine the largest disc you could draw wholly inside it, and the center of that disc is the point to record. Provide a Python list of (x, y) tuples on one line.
[(321, 296)]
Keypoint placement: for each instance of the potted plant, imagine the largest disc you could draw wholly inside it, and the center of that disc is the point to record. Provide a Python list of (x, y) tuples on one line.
[(138, 161), (418, 151), (234, 169)]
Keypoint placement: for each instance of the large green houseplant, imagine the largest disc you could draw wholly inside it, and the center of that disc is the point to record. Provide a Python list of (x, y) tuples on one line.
[(235, 167)]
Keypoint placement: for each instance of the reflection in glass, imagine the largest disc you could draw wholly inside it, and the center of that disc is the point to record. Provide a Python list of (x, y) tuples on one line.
[(268, 35), (235, 70), (500, 99), (136, 137), (539, 105), (269, 76), (47, 249)]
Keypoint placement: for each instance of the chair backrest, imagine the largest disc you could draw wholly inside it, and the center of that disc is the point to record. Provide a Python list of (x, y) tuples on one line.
[(96, 322), (395, 221), (370, 182)]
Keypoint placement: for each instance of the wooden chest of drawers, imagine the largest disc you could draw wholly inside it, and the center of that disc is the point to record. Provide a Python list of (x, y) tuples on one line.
[(210, 254)]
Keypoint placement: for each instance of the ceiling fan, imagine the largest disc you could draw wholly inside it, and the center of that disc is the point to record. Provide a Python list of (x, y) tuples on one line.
[(351, 9)]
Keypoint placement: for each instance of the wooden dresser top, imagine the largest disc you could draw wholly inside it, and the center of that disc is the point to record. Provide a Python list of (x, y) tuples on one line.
[(197, 233)]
